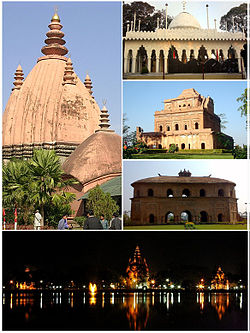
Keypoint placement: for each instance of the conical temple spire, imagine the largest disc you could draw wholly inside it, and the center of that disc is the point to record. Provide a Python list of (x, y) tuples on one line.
[(69, 77), (88, 84), (55, 39), (18, 78), (104, 120)]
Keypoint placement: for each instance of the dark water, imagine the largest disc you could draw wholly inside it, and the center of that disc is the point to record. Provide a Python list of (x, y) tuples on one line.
[(124, 311)]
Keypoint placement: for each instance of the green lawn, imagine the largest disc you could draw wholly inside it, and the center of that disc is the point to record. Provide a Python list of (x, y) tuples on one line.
[(197, 227), (183, 156)]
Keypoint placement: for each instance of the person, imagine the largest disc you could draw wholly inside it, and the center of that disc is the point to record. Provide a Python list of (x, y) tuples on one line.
[(116, 223), (104, 222), (63, 224), (92, 222), (37, 220)]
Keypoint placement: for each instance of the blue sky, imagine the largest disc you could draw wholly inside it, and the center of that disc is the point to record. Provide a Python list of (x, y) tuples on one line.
[(93, 37), (225, 169), (198, 9), (142, 99)]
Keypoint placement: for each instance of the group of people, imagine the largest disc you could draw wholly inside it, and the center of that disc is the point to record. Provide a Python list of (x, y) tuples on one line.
[(91, 223)]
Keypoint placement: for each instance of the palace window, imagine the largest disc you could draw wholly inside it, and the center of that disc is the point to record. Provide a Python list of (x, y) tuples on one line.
[(202, 193), (196, 126), (151, 218), (220, 193), (185, 127), (170, 193), (185, 193), (150, 192), (160, 128), (176, 127), (168, 128)]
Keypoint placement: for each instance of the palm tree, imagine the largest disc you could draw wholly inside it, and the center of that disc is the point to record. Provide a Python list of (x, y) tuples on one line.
[(46, 182), (15, 187)]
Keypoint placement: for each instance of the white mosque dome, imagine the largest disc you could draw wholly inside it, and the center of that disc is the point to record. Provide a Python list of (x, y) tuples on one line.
[(184, 20)]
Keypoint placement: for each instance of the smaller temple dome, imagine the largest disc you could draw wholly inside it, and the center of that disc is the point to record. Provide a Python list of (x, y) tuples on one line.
[(184, 20)]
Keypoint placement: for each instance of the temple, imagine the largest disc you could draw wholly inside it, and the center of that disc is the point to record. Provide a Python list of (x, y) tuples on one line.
[(182, 47), (53, 109), (187, 121), (137, 271), (220, 281)]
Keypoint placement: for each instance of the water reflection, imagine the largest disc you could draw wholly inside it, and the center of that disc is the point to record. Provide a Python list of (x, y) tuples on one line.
[(136, 307), (220, 302)]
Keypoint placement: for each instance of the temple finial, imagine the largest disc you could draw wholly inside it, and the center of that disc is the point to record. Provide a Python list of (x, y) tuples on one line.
[(184, 5), (55, 39), (88, 84), (69, 77), (18, 78), (104, 120)]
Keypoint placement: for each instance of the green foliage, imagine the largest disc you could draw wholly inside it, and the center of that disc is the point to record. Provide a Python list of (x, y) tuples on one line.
[(189, 226), (101, 203), (138, 147), (240, 152), (240, 18), (146, 13), (80, 220), (243, 100), (172, 148), (37, 184)]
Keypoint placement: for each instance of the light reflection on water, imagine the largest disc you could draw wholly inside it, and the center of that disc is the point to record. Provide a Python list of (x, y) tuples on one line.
[(136, 306)]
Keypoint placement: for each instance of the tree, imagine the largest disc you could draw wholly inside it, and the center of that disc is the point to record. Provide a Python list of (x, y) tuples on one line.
[(101, 203), (223, 120), (238, 15), (145, 13), (46, 184), (243, 100), (129, 138)]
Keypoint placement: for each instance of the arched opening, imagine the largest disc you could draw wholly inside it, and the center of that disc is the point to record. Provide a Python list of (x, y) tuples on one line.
[(150, 192), (161, 59), (183, 146), (202, 193), (130, 60), (220, 217), (142, 60), (213, 55), (153, 61), (176, 127), (185, 193), (186, 216), (168, 128), (203, 216), (221, 55), (169, 217), (196, 126), (202, 54), (151, 218), (191, 54), (189, 146), (184, 57), (221, 193), (170, 193), (172, 53), (203, 145), (185, 127), (160, 146), (160, 128), (231, 53)]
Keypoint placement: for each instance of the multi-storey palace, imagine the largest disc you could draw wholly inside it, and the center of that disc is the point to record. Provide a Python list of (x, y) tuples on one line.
[(189, 122)]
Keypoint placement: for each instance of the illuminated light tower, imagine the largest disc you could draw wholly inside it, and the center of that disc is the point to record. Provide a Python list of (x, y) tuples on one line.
[(137, 271)]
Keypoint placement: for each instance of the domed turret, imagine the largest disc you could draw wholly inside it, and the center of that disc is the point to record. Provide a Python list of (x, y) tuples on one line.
[(184, 20)]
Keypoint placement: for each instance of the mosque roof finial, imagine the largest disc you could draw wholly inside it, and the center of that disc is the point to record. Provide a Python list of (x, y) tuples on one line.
[(104, 119), (88, 84), (55, 39), (69, 77), (184, 5), (18, 78)]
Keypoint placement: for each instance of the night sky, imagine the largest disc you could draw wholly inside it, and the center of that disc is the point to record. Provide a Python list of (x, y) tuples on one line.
[(84, 253)]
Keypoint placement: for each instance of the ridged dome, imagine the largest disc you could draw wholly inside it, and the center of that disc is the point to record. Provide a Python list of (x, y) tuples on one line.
[(97, 157), (184, 20), (51, 104)]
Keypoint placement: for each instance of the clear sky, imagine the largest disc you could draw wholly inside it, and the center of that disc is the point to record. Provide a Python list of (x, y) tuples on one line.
[(217, 9), (232, 170), (93, 37), (142, 99)]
